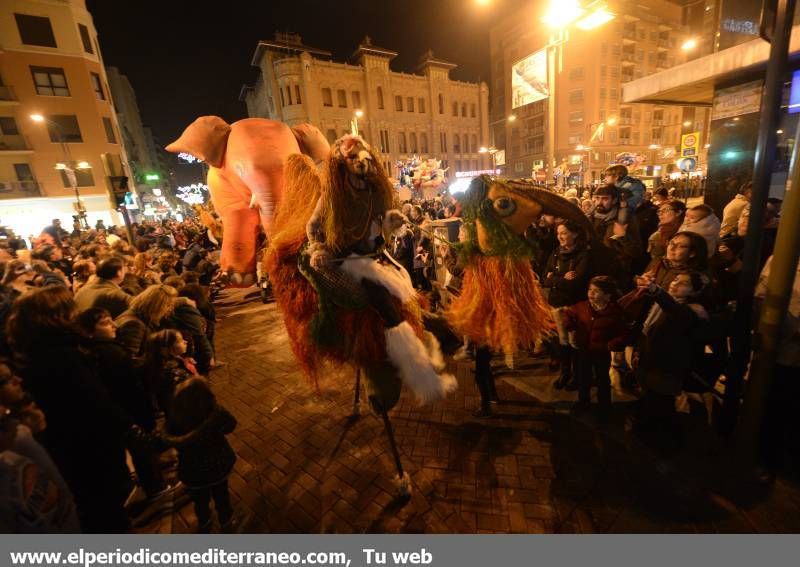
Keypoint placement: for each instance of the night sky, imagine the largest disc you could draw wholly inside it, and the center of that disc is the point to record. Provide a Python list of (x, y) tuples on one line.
[(184, 61)]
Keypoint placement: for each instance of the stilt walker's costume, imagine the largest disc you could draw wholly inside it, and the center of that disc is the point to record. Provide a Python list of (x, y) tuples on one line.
[(501, 307), (343, 297)]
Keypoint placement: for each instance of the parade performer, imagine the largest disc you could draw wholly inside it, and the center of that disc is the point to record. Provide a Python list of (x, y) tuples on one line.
[(343, 298), (501, 307)]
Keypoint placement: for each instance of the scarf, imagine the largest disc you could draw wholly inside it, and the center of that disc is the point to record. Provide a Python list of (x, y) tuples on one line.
[(668, 230)]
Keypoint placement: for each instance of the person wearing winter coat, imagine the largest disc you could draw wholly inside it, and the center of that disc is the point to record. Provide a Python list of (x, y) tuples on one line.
[(597, 327), (196, 427), (701, 220), (670, 219)]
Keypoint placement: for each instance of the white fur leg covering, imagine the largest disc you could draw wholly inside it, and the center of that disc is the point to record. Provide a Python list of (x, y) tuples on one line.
[(395, 280), (409, 355)]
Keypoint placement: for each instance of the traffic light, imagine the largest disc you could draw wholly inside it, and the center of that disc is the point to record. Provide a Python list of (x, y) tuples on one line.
[(119, 188)]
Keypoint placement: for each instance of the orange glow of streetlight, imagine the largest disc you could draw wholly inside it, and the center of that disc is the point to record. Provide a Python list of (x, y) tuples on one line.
[(359, 113), (595, 19), (689, 44), (562, 13), (512, 117), (37, 117), (611, 121)]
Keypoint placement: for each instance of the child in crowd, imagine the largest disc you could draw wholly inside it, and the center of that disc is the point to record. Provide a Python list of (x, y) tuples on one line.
[(196, 427), (667, 348), (596, 327), (166, 365), (701, 220)]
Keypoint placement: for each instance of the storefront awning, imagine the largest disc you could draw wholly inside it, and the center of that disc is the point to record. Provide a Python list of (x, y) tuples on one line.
[(692, 83)]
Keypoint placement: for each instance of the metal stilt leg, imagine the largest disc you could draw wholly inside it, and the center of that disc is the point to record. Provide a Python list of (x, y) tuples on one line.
[(403, 480), (357, 397)]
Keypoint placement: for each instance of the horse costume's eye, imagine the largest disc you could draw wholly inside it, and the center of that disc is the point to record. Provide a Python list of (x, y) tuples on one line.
[(504, 206)]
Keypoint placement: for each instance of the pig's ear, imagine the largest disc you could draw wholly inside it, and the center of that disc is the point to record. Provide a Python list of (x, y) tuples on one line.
[(205, 138)]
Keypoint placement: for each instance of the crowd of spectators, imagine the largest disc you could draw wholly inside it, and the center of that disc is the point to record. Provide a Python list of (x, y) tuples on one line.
[(102, 388), (645, 300)]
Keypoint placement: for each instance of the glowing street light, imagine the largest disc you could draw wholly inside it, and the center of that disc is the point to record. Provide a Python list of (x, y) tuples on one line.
[(611, 121), (562, 13), (483, 150), (359, 113), (689, 44), (37, 117), (687, 123), (595, 19), (653, 147), (512, 117)]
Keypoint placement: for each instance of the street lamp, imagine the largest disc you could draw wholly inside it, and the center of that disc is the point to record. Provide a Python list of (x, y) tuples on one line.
[(560, 15), (69, 167), (689, 44)]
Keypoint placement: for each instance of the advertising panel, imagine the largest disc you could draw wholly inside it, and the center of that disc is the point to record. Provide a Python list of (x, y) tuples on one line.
[(529, 79)]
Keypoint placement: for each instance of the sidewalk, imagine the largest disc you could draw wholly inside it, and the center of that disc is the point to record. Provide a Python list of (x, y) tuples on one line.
[(305, 467)]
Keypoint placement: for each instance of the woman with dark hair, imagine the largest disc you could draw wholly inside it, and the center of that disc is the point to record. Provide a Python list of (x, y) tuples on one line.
[(667, 348), (566, 277), (86, 430), (670, 219)]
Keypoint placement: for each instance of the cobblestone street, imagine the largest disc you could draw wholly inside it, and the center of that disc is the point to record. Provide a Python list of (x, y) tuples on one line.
[(304, 466)]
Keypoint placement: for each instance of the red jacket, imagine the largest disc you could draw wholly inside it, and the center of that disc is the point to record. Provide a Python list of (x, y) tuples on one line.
[(596, 331)]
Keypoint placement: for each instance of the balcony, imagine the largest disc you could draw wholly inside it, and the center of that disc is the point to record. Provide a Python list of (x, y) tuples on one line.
[(14, 143), (20, 188), (625, 120), (629, 35), (7, 95), (625, 141), (663, 44), (658, 122), (628, 58), (626, 77)]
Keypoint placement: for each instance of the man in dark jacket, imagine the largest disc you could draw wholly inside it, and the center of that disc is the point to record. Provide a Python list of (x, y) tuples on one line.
[(103, 290), (620, 247)]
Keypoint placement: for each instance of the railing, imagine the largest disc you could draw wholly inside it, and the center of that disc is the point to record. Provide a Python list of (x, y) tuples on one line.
[(625, 141), (623, 120), (7, 93), (628, 57), (629, 34), (12, 142), (27, 187), (664, 43), (626, 77)]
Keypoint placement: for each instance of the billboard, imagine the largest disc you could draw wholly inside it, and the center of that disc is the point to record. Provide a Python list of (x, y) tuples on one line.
[(529, 79)]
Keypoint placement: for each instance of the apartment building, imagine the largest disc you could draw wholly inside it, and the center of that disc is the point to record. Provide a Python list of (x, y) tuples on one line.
[(51, 68), (400, 114), (592, 123)]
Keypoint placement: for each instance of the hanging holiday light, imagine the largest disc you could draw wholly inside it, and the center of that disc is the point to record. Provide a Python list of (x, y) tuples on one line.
[(194, 194)]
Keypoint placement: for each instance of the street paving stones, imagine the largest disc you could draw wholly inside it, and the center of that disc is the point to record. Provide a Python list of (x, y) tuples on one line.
[(306, 466)]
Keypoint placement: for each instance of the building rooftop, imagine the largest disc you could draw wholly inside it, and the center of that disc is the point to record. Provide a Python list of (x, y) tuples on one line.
[(287, 42), (366, 47), (428, 59)]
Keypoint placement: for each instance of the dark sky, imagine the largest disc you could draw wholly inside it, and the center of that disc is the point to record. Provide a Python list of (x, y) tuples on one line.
[(185, 61)]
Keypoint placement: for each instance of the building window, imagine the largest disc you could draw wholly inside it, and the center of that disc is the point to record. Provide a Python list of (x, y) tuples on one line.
[(602, 70), (380, 98), (83, 178), (457, 143), (297, 94), (576, 74), (421, 105), (341, 95), (35, 30), (458, 165), (8, 126), (110, 137), (401, 142), (410, 104), (50, 81), (576, 118), (283, 98), (423, 143), (464, 109), (441, 103), (455, 108), (575, 139), (64, 128), (23, 171), (412, 138), (289, 94), (398, 103), (356, 99), (602, 92), (576, 96), (327, 97), (443, 141), (385, 142), (472, 110), (97, 86), (474, 148), (87, 42), (330, 134), (612, 94)]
